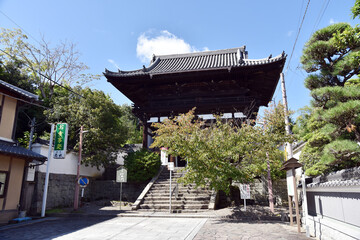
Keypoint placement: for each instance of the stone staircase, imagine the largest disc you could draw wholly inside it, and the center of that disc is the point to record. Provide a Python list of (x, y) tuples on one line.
[(185, 199)]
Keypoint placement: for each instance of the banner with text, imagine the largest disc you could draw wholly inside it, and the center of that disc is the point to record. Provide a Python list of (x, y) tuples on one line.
[(61, 136)]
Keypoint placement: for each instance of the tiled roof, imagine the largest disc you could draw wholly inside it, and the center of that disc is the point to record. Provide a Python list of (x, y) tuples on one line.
[(335, 183), (10, 149), (228, 58), (21, 92), (343, 178)]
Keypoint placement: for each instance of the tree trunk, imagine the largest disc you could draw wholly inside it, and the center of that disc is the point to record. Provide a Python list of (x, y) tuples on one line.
[(271, 198)]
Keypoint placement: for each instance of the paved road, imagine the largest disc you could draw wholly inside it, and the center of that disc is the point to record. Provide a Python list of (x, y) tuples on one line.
[(104, 228), (142, 228)]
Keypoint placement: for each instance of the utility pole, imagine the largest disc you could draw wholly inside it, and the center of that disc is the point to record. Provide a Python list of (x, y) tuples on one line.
[(31, 132), (270, 188), (286, 111), (26, 169), (76, 199), (289, 150)]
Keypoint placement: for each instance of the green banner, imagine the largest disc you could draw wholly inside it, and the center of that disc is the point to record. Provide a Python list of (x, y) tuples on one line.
[(60, 140)]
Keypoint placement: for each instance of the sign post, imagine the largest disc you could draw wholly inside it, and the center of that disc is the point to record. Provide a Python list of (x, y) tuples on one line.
[(289, 166), (121, 176), (171, 168), (164, 156), (83, 182), (245, 193)]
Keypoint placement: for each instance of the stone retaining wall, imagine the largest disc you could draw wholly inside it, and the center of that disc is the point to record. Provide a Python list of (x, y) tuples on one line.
[(258, 194), (259, 191), (60, 191), (62, 188), (110, 189)]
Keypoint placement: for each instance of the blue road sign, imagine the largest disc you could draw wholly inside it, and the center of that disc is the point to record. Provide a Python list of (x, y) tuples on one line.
[(83, 181)]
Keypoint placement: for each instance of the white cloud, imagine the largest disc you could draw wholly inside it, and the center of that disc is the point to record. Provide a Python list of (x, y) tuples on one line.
[(290, 33), (161, 43), (113, 63), (332, 21)]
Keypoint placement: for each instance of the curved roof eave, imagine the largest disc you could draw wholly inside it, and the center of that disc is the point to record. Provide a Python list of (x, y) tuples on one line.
[(155, 67)]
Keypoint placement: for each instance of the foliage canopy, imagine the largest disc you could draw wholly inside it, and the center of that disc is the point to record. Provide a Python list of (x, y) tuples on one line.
[(142, 165), (219, 153), (331, 127)]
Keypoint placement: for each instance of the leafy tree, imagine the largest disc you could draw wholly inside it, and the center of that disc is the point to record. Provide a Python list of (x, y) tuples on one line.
[(128, 119), (355, 10), (272, 138), (59, 63), (331, 127), (142, 165), (10, 72), (217, 154), (98, 114)]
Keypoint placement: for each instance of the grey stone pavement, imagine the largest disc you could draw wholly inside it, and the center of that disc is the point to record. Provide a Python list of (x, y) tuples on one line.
[(107, 223), (149, 228)]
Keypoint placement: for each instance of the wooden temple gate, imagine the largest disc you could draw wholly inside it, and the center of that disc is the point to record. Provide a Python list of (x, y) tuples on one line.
[(222, 81)]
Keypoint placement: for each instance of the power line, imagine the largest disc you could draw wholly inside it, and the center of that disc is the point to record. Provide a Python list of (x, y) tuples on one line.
[(22, 100), (19, 27), (44, 76), (297, 36), (293, 49), (321, 14), (30, 66)]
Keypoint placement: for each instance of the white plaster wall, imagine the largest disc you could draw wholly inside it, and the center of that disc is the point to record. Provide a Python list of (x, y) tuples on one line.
[(65, 166)]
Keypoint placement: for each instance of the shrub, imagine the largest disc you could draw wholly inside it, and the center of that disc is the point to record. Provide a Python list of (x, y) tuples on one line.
[(142, 165)]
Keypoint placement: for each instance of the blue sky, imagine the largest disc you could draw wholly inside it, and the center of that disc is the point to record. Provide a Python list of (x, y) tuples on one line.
[(122, 34)]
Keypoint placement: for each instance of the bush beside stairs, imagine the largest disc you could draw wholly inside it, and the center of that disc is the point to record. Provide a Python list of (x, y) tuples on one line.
[(187, 199)]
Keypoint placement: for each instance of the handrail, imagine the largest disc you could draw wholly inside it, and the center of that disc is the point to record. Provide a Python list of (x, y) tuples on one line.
[(176, 188)]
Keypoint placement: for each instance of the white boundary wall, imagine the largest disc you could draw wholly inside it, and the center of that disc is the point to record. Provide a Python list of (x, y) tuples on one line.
[(65, 166)]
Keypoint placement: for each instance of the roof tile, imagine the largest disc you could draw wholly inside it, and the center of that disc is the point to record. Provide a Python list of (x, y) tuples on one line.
[(234, 57)]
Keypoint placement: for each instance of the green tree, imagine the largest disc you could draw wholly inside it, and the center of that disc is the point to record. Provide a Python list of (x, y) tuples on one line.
[(331, 127), (355, 10), (131, 122), (142, 165), (59, 63), (99, 115), (272, 138), (218, 154)]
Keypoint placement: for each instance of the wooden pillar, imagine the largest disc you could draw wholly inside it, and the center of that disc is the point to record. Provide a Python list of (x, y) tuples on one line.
[(290, 210), (296, 201), (145, 135)]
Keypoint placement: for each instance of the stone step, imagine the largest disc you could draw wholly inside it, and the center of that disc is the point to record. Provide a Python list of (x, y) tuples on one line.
[(179, 190), (189, 198), (167, 191), (166, 200), (180, 195), (164, 185), (184, 198), (173, 206), (179, 204), (175, 210)]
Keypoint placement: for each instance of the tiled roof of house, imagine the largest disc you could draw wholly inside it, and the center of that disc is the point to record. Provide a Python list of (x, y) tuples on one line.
[(20, 92), (198, 61), (10, 149)]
